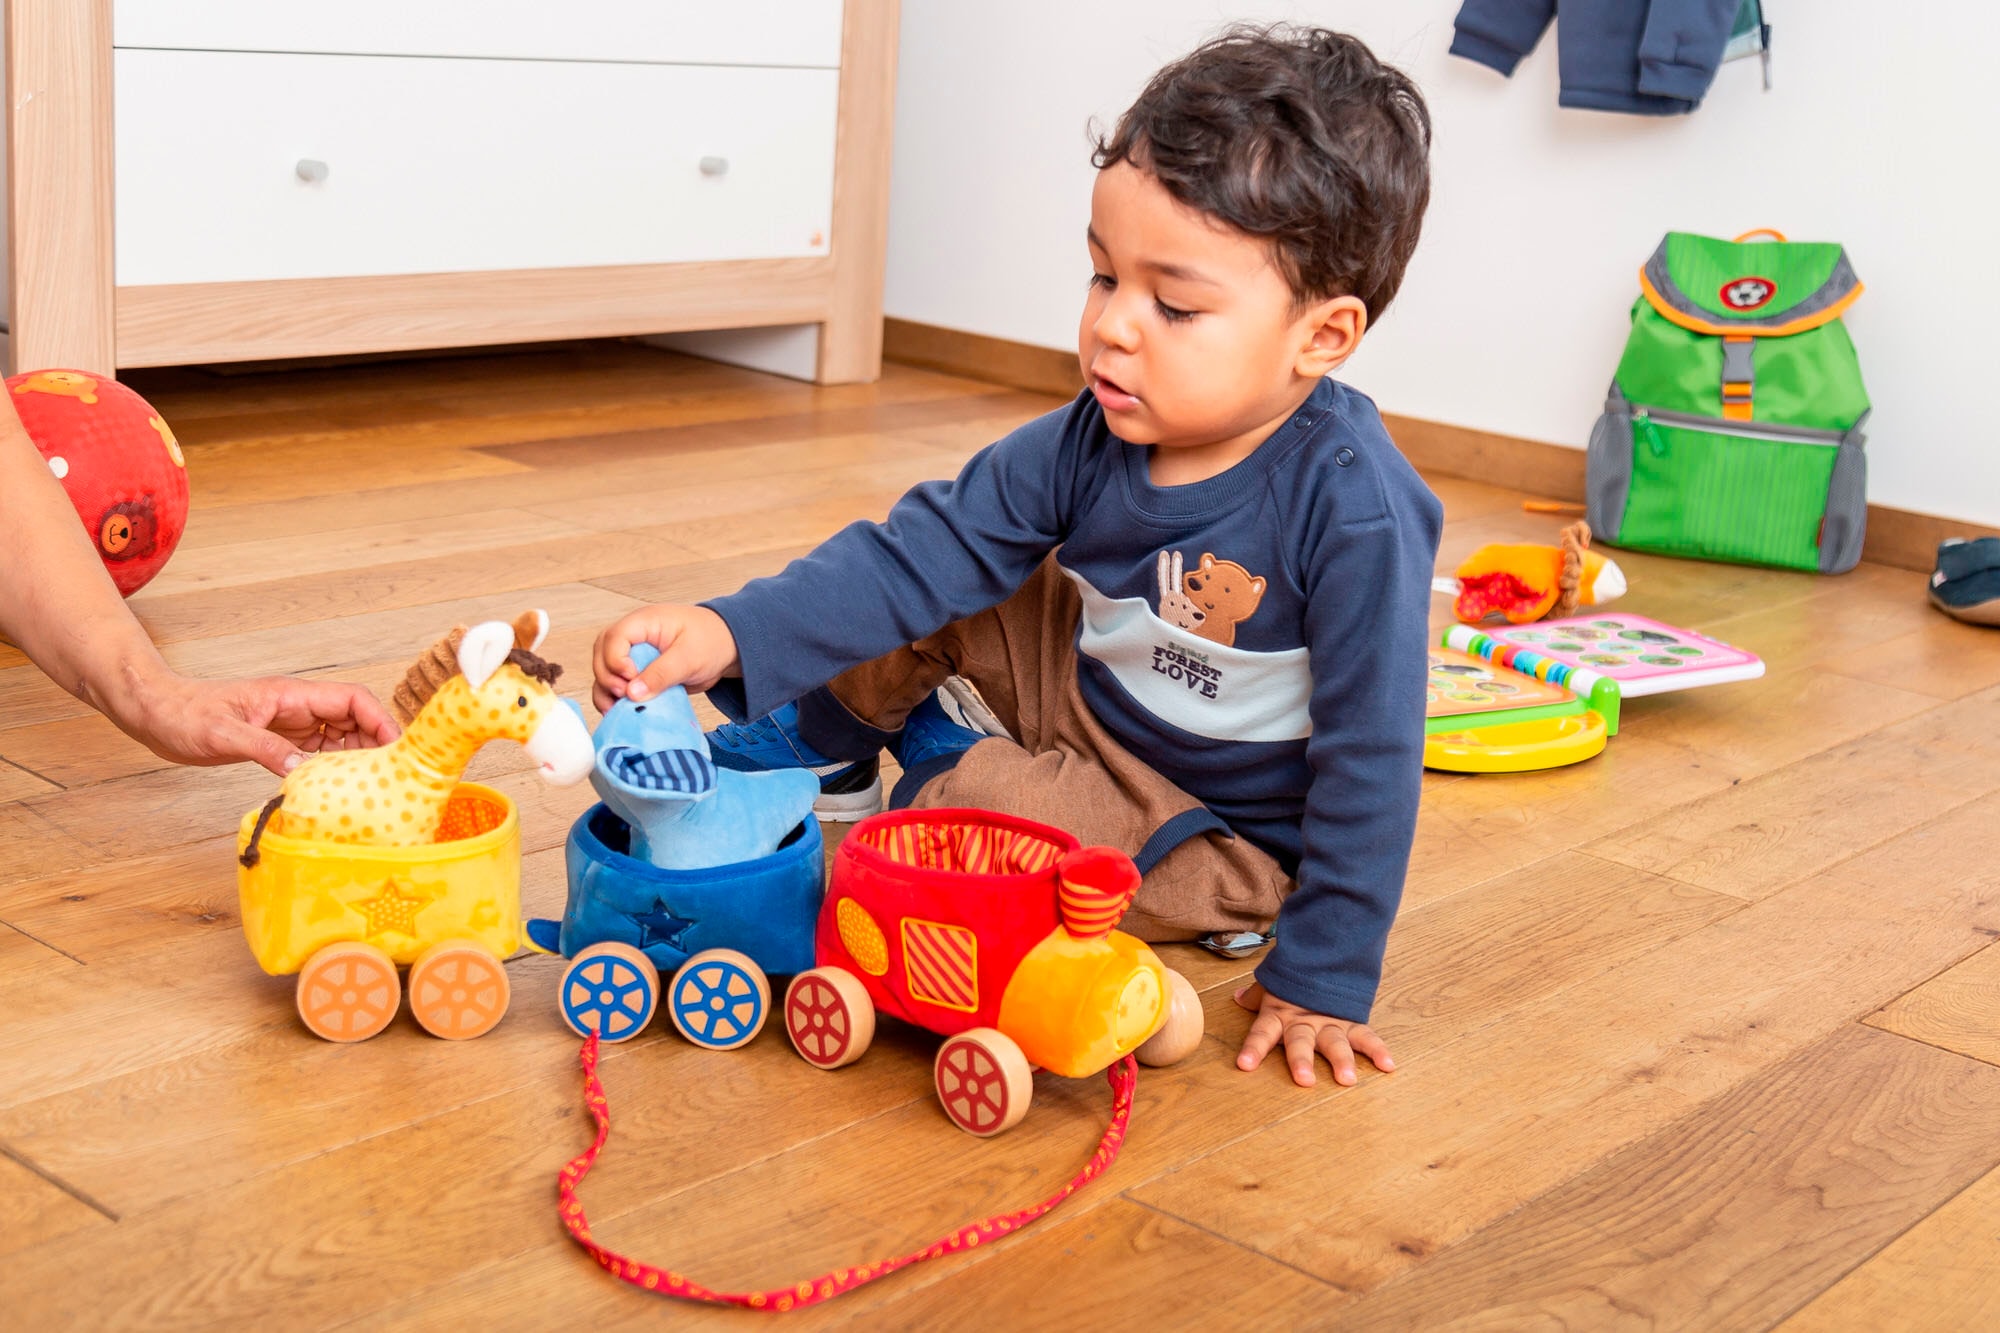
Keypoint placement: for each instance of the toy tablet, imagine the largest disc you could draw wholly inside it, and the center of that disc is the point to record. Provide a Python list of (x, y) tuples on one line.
[(1517, 747), (1494, 708), (1642, 655)]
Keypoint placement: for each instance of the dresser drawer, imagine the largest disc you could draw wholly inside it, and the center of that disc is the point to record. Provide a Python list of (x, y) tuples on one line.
[(450, 165), (702, 32)]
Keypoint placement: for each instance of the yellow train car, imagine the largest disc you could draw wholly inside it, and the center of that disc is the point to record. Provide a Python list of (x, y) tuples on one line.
[(344, 917)]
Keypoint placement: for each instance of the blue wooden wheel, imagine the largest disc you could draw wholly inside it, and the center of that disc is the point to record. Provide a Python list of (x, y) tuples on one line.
[(719, 999), (612, 990)]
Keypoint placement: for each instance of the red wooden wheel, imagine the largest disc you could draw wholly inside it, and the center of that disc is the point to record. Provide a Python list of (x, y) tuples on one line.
[(829, 1017), (983, 1081)]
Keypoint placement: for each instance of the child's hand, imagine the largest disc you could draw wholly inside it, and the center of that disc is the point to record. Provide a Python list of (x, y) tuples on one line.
[(696, 650), (275, 721), (1304, 1032)]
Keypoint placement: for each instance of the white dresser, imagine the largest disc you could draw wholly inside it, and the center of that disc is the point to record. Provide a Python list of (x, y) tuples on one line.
[(213, 180)]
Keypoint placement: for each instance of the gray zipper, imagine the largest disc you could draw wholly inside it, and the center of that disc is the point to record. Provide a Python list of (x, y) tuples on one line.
[(1755, 430)]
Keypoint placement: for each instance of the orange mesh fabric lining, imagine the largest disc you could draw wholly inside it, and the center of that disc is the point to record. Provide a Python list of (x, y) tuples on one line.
[(975, 849), (469, 816)]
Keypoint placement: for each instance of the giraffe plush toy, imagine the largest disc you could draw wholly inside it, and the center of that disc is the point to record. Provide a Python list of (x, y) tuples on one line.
[(396, 796)]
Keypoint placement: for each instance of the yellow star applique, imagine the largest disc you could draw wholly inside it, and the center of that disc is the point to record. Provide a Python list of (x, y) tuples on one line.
[(393, 910)]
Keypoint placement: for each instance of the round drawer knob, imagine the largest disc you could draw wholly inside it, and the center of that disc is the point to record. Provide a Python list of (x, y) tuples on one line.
[(311, 169), (715, 166)]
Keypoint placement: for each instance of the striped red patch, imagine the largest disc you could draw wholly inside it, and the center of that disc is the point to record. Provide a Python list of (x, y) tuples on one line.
[(941, 963)]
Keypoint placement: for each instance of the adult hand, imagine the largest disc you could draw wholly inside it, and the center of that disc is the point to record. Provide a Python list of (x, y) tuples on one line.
[(275, 721)]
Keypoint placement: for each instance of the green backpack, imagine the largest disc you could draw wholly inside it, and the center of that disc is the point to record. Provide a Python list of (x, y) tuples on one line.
[(1733, 428)]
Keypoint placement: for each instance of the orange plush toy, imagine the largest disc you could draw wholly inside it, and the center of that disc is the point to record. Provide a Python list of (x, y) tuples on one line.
[(1527, 581)]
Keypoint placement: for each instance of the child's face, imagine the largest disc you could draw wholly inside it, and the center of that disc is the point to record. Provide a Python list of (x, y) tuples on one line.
[(1190, 336)]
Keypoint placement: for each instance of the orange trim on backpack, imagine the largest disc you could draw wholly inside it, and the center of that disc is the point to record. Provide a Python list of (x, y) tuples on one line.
[(1696, 324), (1735, 411)]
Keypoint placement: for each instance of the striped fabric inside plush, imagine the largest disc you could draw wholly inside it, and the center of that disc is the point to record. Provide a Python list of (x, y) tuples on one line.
[(977, 849), (689, 772)]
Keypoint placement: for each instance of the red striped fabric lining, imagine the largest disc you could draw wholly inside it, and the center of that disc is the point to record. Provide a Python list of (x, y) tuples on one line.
[(975, 849)]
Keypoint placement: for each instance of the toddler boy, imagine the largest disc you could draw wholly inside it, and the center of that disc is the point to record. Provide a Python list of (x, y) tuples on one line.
[(1194, 602)]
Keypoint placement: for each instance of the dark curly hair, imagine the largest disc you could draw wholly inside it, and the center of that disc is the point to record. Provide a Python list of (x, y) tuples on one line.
[(1297, 135)]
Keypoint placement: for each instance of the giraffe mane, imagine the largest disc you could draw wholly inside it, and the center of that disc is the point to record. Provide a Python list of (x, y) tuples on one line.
[(439, 663)]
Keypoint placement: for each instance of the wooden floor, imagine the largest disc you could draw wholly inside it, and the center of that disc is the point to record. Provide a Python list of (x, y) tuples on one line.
[(1702, 1034)]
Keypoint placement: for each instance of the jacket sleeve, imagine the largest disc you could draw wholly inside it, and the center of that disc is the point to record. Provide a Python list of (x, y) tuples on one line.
[(946, 550), (1367, 626), (1497, 33), (1682, 46)]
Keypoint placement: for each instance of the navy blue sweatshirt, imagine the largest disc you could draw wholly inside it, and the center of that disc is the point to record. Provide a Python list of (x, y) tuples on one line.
[(1652, 57), (1294, 710)]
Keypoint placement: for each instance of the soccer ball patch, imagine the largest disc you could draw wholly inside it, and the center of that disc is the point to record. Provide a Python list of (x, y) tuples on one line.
[(1748, 293)]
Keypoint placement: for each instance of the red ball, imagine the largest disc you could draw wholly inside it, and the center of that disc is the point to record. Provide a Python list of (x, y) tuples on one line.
[(117, 459)]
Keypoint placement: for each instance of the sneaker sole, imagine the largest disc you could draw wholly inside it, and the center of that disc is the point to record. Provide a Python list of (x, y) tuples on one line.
[(849, 807), (1985, 613)]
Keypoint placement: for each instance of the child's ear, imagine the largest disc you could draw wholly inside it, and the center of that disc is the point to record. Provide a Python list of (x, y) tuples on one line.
[(1333, 329)]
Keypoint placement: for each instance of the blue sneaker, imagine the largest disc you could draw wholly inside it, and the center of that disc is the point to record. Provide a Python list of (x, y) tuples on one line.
[(849, 789), (1966, 583), (952, 720)]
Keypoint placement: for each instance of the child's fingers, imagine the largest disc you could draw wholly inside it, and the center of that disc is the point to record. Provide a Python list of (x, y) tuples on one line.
[(1364, 1041), (1251, 997), (1299, 1042), (1333, 1044), (1264, 1033)]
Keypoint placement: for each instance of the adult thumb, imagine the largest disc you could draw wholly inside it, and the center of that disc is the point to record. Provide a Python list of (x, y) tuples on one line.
[(269, 749)]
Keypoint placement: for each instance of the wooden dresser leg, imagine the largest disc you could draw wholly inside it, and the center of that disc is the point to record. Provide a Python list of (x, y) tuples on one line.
[(59, 235), (850, 345)]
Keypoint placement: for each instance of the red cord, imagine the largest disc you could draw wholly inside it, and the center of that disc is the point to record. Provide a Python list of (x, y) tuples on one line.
[(1123, 1076)]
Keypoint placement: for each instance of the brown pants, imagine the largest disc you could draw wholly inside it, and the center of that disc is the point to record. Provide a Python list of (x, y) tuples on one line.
[(1066, 770)]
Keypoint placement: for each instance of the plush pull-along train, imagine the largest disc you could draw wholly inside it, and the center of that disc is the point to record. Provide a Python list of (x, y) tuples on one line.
[(370, 859), (995, 932)]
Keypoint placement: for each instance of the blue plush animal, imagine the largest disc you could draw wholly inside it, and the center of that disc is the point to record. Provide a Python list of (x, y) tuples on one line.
[(653, 771)]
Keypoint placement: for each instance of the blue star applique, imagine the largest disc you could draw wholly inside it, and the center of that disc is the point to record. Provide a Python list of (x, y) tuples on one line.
[(660, 926)]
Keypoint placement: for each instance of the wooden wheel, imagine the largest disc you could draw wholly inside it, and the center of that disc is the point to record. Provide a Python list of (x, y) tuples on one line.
[(983, 1081), (719, 999), (458, 990), (829, 1017), (1181, 1033), (611, 989), (348, 991)]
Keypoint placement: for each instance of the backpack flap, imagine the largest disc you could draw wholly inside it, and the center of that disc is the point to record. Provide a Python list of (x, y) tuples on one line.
[(1748, 289)]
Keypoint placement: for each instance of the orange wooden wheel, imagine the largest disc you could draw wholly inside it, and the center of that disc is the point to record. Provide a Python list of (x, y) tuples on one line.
[(829, 1016), (348, 991), (458, 990), (983, 1081), (1178, 1036)]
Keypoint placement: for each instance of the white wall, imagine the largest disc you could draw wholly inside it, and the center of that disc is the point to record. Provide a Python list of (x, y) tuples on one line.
[(1881, 133)]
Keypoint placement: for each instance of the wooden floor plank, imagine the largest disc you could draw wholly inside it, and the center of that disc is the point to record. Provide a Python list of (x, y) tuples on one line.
[(1958, 1010), (34, 1210), (1360, 1191), (355, 551), (1760, 835), (25, 960), (1938, 1277), (307, 599), (18, 781), (1733, 1217), (1945, 658)]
